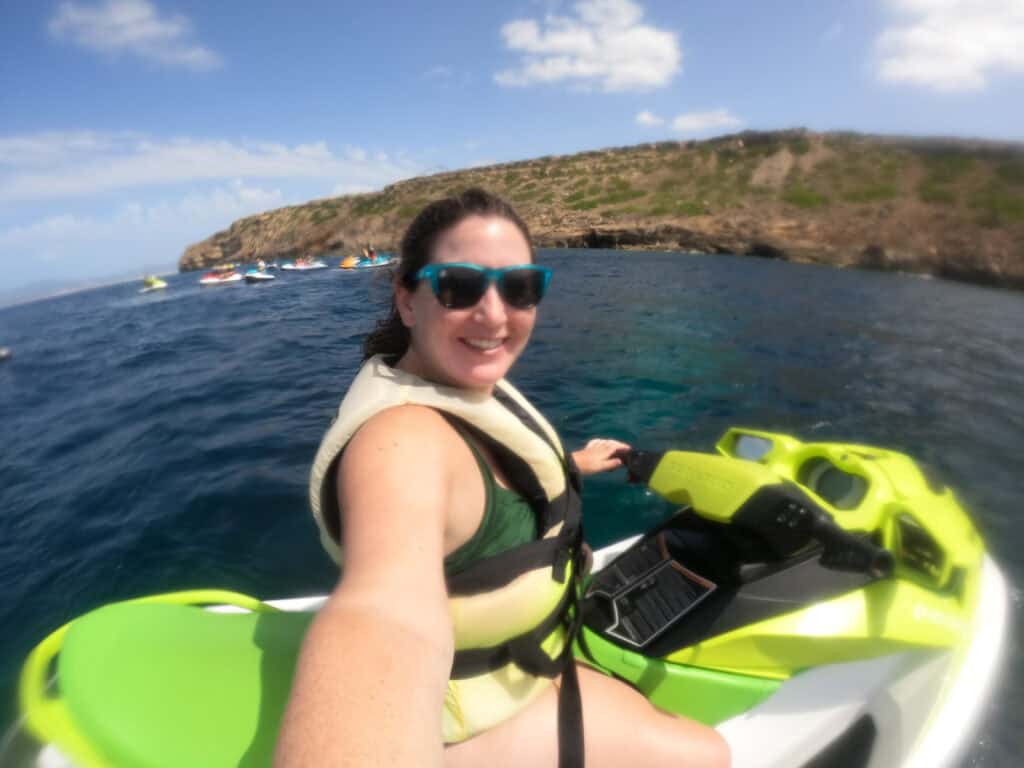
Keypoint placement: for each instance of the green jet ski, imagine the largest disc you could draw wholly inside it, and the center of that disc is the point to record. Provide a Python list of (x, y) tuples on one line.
[(821, 604)]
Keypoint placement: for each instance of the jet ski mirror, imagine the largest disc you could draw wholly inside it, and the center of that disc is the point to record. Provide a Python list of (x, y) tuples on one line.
[(752, 447)]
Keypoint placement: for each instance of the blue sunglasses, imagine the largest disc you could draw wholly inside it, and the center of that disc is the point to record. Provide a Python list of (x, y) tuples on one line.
[(460, 286)]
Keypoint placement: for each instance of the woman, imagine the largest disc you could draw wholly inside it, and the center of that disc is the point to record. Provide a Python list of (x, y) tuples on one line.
[(459, 516)]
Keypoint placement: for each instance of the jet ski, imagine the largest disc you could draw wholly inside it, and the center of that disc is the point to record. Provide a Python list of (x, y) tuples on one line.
[(303, 265), (219, 278), (256, 276), (152, 283), (351, 262), (820, 604)]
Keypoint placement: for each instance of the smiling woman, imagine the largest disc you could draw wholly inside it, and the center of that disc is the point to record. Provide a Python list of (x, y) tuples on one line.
[(457, 515), (441, 334)]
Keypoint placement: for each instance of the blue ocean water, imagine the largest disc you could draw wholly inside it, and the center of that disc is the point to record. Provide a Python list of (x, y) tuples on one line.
[(161, 441)]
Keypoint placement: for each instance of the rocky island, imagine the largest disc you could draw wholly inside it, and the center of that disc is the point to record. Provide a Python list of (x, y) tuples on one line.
[(946, 207)]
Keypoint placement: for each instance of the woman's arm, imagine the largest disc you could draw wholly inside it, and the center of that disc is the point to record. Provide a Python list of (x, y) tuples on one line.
[(370, 683)]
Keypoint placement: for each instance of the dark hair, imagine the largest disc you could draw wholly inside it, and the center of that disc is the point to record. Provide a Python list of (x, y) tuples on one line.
[(390, 337)]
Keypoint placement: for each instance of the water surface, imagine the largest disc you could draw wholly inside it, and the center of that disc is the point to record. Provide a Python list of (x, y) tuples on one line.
[(162, 441)]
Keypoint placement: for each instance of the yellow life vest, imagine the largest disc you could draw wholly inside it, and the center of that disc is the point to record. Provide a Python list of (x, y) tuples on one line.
[(509, 611)]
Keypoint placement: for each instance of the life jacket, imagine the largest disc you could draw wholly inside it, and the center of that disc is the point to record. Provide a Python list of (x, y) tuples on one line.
[(510, 612)]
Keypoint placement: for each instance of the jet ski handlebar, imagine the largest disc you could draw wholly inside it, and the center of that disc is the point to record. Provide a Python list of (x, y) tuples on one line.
[(845, 551), (639, 464), (780, 514)]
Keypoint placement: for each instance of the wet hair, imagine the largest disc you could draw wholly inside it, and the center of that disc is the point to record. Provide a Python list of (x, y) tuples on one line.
[(391, 337)]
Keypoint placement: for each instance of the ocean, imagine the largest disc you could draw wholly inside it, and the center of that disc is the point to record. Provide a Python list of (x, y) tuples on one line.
[(162, 441)]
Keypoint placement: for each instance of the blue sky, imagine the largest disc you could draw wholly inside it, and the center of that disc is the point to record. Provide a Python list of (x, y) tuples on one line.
[(132, 128)]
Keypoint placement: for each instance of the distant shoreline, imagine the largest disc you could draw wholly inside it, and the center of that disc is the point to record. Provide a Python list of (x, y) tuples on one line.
[(951, 208)]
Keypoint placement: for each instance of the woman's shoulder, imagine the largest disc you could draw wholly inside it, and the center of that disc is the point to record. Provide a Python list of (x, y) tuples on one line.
[(408, 421), (417, 434), (405, 463)]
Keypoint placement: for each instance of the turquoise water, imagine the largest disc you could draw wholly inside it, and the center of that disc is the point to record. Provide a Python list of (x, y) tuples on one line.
[(162, 441)]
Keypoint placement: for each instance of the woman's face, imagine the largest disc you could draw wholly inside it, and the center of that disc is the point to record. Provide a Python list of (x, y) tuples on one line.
[(474, 347)]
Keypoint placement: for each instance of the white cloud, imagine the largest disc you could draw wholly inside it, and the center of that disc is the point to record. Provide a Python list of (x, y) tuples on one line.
[(132, 27), (952, 45), (197, 212), (127, 236), (693, 123), (55, 166), (649, 118), (482, 162), (356, 154), (603, 46), (54, 186), (49, 147)]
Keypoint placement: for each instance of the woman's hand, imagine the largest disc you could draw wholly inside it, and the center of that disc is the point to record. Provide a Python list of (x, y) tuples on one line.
[(598, 455)]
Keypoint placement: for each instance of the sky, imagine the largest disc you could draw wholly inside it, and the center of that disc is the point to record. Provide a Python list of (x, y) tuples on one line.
[(130, 129)]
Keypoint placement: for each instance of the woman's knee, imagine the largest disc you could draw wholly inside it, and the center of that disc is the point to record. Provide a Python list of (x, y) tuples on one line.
[(680, 742), (620, 721), (713, 748)]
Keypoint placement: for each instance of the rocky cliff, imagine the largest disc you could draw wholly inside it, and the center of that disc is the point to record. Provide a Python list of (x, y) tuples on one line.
[(951, 208)]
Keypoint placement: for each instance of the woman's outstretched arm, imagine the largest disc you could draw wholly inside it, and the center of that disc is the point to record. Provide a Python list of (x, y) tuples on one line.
[(372, 675)]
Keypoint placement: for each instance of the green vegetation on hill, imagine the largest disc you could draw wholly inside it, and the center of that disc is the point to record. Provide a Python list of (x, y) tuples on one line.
[(944, 206)]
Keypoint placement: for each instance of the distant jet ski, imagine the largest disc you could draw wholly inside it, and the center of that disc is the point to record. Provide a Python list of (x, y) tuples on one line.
[(219, 278), (303, 265), (255, 276), (152, 283)]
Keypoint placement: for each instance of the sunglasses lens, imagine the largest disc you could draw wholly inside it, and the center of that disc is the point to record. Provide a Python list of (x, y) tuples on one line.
[(522, 288), (460, 287)]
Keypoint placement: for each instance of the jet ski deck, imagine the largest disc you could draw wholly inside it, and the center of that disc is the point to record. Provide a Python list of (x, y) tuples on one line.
[(809, 600)]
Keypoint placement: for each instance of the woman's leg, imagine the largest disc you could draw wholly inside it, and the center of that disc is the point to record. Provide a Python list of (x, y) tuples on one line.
[(620, 728)]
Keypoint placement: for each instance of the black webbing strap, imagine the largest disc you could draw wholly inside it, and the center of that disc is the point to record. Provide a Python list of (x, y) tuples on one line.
[(570, 704), (524, 416), (496, 571), (526, 651)]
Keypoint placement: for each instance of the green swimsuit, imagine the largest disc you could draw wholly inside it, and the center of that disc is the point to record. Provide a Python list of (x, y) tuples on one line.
[(508, 522)]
